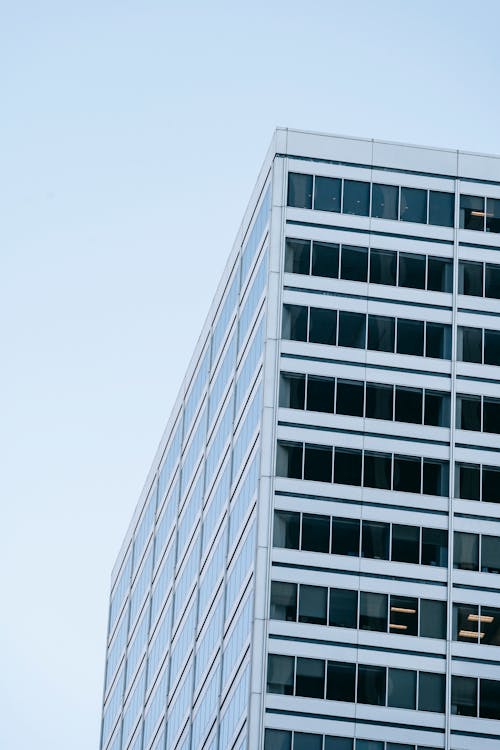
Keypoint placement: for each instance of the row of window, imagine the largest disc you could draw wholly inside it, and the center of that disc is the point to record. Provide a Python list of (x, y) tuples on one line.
[(380, 333), (385, 471), (347, 608), (371, 199), (479, 279), (377, 266), (359, 399), (281, 739), (378, 540)]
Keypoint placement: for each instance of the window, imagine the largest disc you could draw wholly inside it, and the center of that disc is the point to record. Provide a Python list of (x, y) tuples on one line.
[(318, 463), (491, 484), (356, 197), (407, 474), (379, 401), (373, 612), (294, 325), (327, 194), (441, 208), (435, 478), (431, 692), (492, 347), (437, 409), (354, 266), (377, 470), (402, 688), (313, 604), (410, 338), (343, 608), (412, 270), (490, 626), (466, 623), (432, 619), (405, 544), (289, 460), (437, 340), (385, 201), (470, 278), (292, 390), (286, 529), (403, 615), (490, 554), (352, 329), (350, 398), (468, 412), (322, 326), (435, 547), (347, 467), (381, 333), (383, 266), (468, 481), (439, 275), (303, 741), (371, 685), (470, 344), (341, 681), (297, 256), (283, 601), (325, 260), (466, 551), (278, 739), (464, 696), (493, 215), (280, 674), (338, 743), (310, 678), (492, 281), (471, 212), (300, 190), (408, 405), (489, 699), (413, 205), (320, 394), (345, 536), (491, 415), (375, 540), (315, 533)]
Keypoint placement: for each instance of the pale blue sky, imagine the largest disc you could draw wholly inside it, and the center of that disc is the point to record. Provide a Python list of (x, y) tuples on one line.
[(131, 135)]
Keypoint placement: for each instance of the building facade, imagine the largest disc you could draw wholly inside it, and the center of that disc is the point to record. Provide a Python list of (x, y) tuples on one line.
[(314, 561)]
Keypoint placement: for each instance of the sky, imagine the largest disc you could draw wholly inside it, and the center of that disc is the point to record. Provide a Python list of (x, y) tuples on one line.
[(131, 134)]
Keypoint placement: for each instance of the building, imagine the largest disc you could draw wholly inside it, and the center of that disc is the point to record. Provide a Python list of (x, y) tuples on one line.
[(314, 561)]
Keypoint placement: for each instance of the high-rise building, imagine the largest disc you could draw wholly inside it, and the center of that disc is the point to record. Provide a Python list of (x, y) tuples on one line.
[(314, 561)]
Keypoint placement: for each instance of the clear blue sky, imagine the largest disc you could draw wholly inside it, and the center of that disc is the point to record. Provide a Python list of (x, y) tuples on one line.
[(131, 134)]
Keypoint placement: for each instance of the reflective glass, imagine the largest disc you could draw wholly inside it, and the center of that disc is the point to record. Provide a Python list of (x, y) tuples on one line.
[(412, 270), (341, 681), (313, 604), (471, 212), (373, 612), (470, 344), (343, 608), (408, 405), (352, 330), (464, 696), (280, 674), (432, 619), (383, 266), (437, 340), (315, 533), (491, 484), (354, 263), (385, 201), (493, 215), (379, 401), (466, 551), (350, 397), (492, 281), (318, 463), (286, 531), (407, 474), (435, 547), (467, 481), (294, 324), (468, 412), (303, 741), (470, 278), (289, 460), (439, 274), (327, 194), (410, 337), (320, 394), (490, 554), (283, 601), (310, 678), (377, 470), (492, 347), (466, 624), (402, 688), (441, 208), (431, 692), (437, 409), (322, 326), (435, 478), (325, 260), (403, 615), (405, 544), (489, 699), (381, 333), (375, 540), (300, 190), (413, 205), (371, 685), (278, 739), (292, 390), (297, 256), (356, 198), (345, 536), (347, 467)]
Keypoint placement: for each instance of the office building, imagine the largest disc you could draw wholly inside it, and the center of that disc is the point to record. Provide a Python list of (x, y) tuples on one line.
[(314, 561)]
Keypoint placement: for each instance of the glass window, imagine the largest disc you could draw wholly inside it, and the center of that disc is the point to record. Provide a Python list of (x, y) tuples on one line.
[(464, 696), (325, 260), (371, 685), (289, 460), (413, 205), (345, 536), (403, 615), (437, 409), (493, 215), (441, 208), (322, 326), (356, 197), (471, 212), (278, 739), (373, 612), (369, 745), (310, 679), (377, 470), (407, 474), (283, 601), (379, 401), (300, 190), (470, 278), (352, 330), (385, 201), (492, 281), (435, 547), (315, 533), (294, 324), (320, 394), (297, 256), (466, 623), (318, 463), (338, 743), (312, 604), (343, 608), (431, 692), (347, 467), (405, 545), (327, 194), (280, 674), (350, 397), (354, 263), (490, 554), (432, 619), (436, 480), (375, 540), (383, 267), (412, 270), (410, 338), (381, 333), (490, 626), (466, 551), (438, 340), (491, 484), (491, 415), (439, 274), (286, 529), (489, 699), (468, 412), (292, 390), (340, 681), (303, 741), (492, 347), (408, 405), (402, 688), (468, 481)]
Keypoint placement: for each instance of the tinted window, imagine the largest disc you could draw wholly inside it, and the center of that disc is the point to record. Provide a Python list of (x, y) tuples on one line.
[(341, 681), (405, 544), (412, 270), (468, 412), (322, 326), (310, 678), (350, 398), (492, 281), (437, 409), (431, 692), (315, 533), (347, 467), (441, 208), (470, 278), (492, 347), (356, 197), (432, 619), (371, 685), (292, 390), (490, 626), (491, 484), (407, 474), (379, 401), (280, 674), (354, 263), (313, 603), (373, 612), (327, 194), (435, 478), (278, 739), (345, 536), (320, 394), (300, 190), (439, 275), (352, 329), (286, 529), (413, 205), (343, 608), (402, 688), (403, 615), (491, 415), (466, 551), (408, 405), (377, 470), (471, 212), (466, 623), (438, 340), (383, 267), (490, 554), (318, 463), (294, 325), (467, 481), (470, 344), (302, 741), (493, 215), (338, 743), (385, 201), (381, 333), (289, 460), (375, 540), (283, 601), (297, 256), (489, 699), (435, 547), (464, 696), (325, 260), (410, 338)]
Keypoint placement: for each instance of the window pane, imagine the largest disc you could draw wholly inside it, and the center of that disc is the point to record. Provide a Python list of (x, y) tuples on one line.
[(492, 285), (405, 544), (431, 692), (371, 685), (278, 739), (491, 415), (292, 390), (320, 394), (297, 256), (377, 470), (436, 479), (347, 467), (352, 330), (469, 412), (408, 405), (286, 529), (493, 215), (280, 674), (327, 194), (310, 680), (490, 626), (289, 460), (489, 699), (438, 340), (373, 612), (471, 212), (350, 397), (283, 601), (379, 401), (490, 554), (318, 463), (322, 326), (470, 278), (432, 619), (375, 540), (345, 536), (491, 484), (466, 623), (354, 263), (294, 324), (470, 344), (383, 267), (369, 745), (385, 201), (338, 743), (341, 681), (381, 333), (404, 615), (412, 270), (435, 547), (466, 551), (300, 190), (402, 688), (437, 409), (356, 197), (407, 474), (441, 208), (410, 337), (343, 608), (464, 696), (467, 481), (302, 741), (413, 205), (492, 347), (315, 533), (312, 604), (439, 275), (325, 260)]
